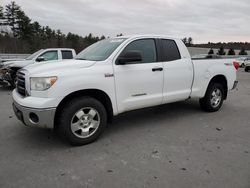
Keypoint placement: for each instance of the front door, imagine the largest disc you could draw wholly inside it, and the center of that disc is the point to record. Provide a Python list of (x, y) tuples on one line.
[(139, 84)]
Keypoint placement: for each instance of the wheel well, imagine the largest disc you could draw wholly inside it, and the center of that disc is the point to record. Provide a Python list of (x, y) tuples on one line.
[(95, 93), (15, 68), (221, 79)]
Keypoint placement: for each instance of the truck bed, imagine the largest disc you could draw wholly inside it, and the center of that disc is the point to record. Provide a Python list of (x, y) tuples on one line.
[(205, 69)]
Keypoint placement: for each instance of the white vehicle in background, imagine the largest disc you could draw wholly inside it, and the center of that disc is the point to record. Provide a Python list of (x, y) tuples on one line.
[(9, 69), (6, 60), (247, 65), (113, 76), (243, 61)]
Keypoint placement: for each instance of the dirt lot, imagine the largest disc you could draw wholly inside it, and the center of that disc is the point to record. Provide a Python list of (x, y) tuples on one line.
[(175, 145)]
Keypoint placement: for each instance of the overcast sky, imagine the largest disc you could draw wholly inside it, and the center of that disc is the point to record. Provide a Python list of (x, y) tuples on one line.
[(209, 20)]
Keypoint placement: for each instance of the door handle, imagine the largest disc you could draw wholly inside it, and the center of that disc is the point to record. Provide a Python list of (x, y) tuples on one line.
[(157, 69)]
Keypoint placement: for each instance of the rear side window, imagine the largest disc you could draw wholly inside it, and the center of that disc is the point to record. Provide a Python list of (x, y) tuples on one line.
[(67, 54), (170, 50)]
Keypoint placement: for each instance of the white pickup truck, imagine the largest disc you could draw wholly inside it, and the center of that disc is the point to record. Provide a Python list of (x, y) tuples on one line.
[(113, 76), (9, 69)]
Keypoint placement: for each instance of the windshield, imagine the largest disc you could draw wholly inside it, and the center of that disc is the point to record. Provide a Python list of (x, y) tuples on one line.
[(100, 50), (32, 56)]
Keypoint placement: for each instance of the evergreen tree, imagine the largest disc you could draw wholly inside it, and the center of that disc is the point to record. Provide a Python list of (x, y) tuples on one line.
[(184, 40), (1, 13), (190, 41), (211, 51), (231, 52), (102, 37), (36, 28), (59, 37), (221, 51), (53, 34), (36, 36), (243, 52), (49, 33), (43, 34), (24, 26), (89, 37), (2, 20), (11, 15)]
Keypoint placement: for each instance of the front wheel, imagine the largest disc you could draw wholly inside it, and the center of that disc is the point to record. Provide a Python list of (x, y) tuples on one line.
[(83, 120), (213, 99), (13, 82)]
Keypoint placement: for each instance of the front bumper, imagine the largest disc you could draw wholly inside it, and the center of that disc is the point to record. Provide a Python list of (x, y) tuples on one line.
[(43, 118)]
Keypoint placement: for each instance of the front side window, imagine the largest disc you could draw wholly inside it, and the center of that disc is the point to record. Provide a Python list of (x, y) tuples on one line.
[(50, 55), (170, 50), (101, 50), (146, 47), (67, 54)]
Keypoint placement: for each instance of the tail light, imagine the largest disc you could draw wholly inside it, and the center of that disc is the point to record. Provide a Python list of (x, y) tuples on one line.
[(236, 65)]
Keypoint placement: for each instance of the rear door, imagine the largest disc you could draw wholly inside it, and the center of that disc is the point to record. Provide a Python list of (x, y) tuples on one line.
[(178, 72), (139, 84)]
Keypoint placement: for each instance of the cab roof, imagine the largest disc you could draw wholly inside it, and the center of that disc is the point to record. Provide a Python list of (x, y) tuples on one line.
[(146, 36)]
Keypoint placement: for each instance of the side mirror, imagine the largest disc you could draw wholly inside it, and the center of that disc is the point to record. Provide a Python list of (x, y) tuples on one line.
[(128, 57), (39, 59)]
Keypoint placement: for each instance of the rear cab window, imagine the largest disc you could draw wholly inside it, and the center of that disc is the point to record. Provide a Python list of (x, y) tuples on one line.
[(170, 50), (67, 54)]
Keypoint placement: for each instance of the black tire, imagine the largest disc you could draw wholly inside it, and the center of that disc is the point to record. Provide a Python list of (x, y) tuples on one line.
[(13, 81), (69, 111), (246, 69), (206, 103)]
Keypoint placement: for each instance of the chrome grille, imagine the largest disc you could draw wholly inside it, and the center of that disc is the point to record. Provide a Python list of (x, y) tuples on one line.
[(20, 83)]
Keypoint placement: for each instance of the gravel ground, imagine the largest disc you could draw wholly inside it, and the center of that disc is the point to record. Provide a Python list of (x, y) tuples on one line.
[(175, 145)]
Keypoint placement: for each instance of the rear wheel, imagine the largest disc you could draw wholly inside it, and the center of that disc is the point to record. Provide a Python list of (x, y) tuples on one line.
[(213, 99), (82, 120)]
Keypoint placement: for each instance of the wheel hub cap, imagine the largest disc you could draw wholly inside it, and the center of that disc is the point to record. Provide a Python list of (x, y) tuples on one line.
[(216, 98), (85, 122)]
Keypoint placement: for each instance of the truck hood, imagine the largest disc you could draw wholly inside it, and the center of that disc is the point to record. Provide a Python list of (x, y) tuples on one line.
[(19, 63), (54, 68)]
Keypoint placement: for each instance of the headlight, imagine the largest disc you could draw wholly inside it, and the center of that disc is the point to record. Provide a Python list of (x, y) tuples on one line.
[(42, 83)]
